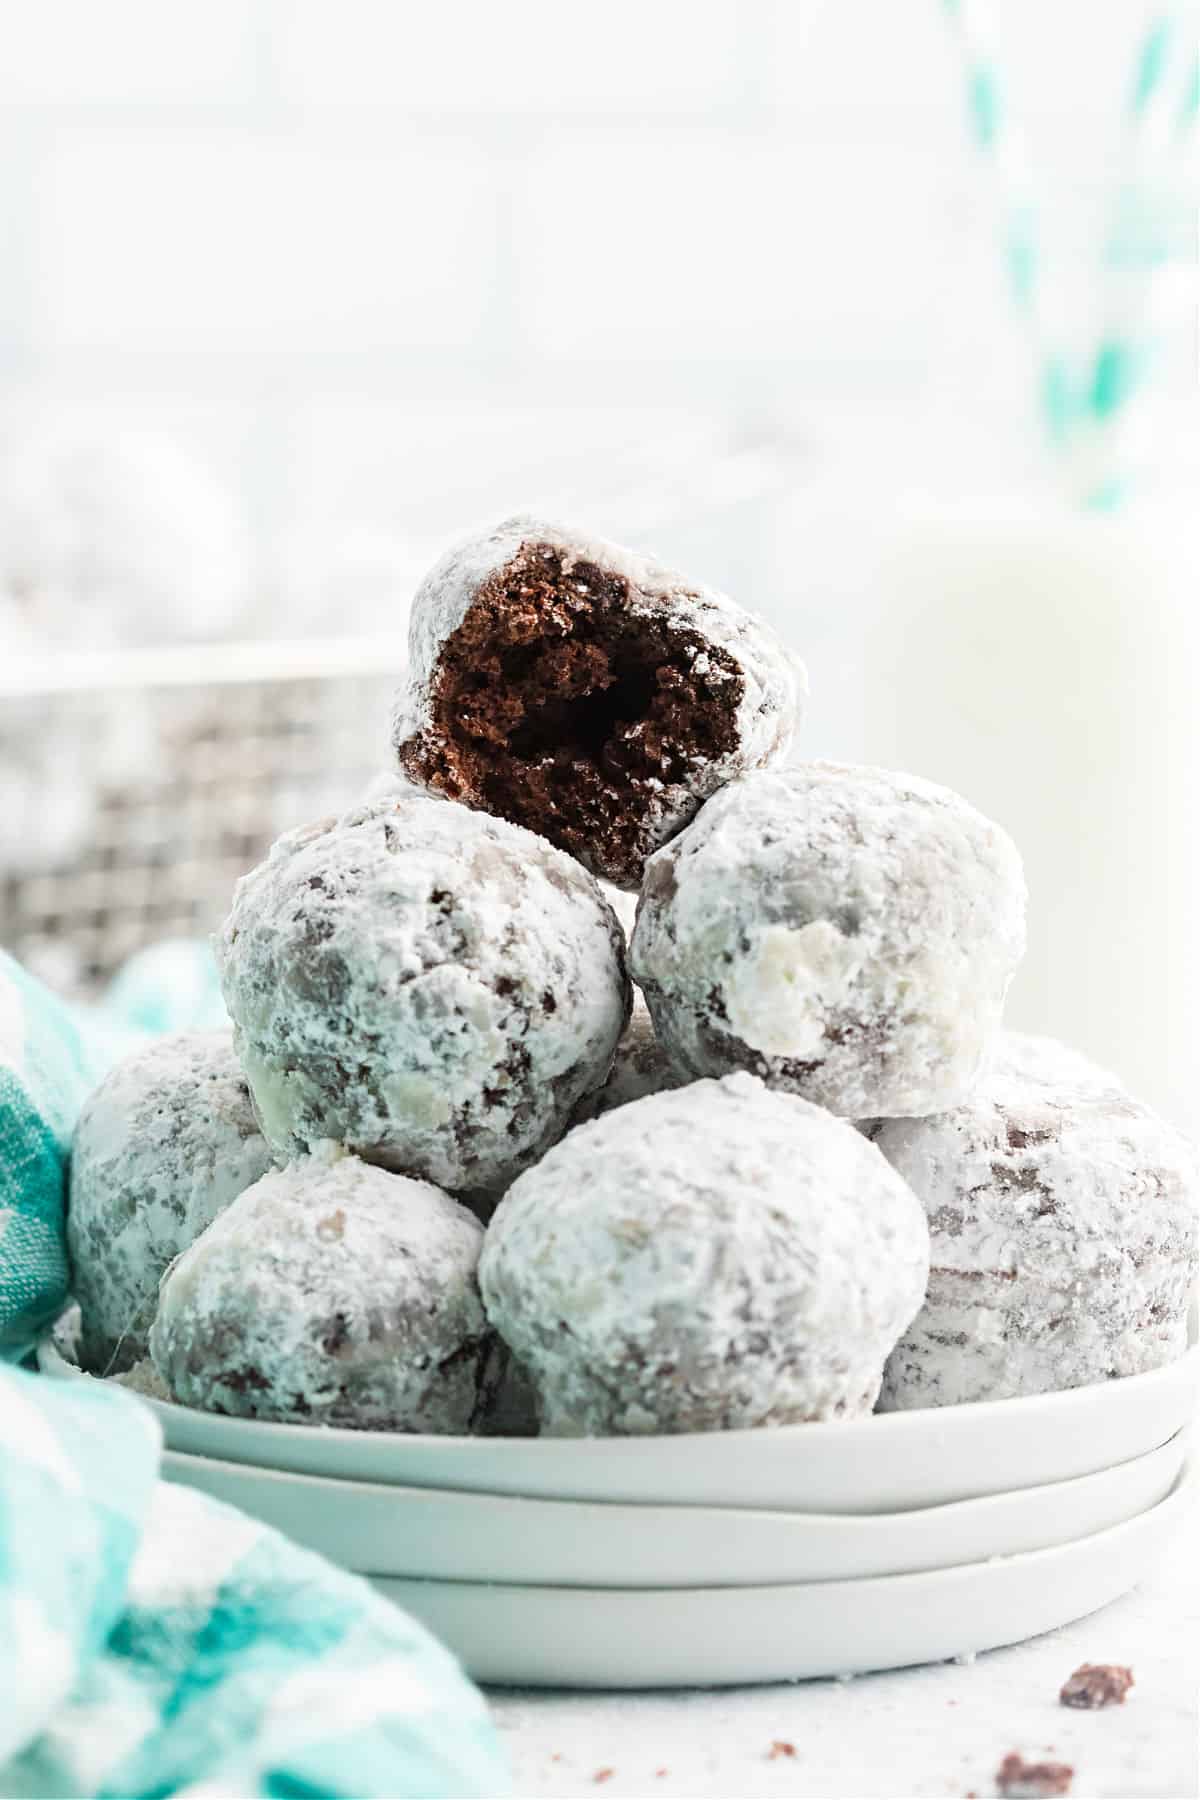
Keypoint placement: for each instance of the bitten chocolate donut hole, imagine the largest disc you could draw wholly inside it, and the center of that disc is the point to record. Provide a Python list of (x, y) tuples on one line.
[(562, 706), (585, 691)]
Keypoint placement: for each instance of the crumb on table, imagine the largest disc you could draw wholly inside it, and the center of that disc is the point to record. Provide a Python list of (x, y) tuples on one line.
[(1017, 1779), (780, 1747), (1097, 1684)]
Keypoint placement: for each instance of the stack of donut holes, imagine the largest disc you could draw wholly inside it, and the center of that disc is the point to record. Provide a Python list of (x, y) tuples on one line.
[(453, 1171)]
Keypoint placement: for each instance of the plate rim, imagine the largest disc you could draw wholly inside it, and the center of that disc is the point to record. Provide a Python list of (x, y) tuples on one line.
[(1184, 1490), (477, 1500), (632, 1449)]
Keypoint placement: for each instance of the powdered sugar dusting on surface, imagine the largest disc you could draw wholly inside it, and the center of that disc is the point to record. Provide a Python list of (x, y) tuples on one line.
[(846, 933), (1063, 1218), (710, 1258), (623, 904), (431, 987), (166, 1142), (332, 1293)]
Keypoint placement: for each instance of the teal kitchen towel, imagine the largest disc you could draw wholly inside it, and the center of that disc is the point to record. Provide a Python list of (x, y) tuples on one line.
[(152, 1641)]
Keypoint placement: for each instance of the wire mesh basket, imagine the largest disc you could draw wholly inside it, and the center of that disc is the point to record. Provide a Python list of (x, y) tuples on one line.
[(135, 788)]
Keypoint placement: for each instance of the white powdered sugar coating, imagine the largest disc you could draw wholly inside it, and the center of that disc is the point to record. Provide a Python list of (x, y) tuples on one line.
[(386, 784), (166, 1142), (331, 1293), (623, 904), (432, 988), (715, 1257), (774, 680), (847, 933), (1025, 1056), (1063, 1224), (641, 1066)]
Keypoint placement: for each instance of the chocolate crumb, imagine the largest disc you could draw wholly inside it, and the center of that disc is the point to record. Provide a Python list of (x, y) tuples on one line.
[(1097, 1684), (780, 1747), (1018, 1780)]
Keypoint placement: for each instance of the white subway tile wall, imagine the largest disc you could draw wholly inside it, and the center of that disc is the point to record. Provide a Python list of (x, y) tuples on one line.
[(233, 240), (409, 264), (703, 243), (541, 55), (134, 53)]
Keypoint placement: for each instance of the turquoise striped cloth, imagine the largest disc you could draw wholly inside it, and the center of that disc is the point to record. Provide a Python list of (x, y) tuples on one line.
[(152, 1641), (48, 1066), (51, 1057)]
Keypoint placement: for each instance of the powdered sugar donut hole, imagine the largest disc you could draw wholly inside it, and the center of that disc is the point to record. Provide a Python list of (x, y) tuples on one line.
[(714, 1257), (1063, 1219), (846, 933), (114, 535), (165, 1143), (332, 1293), (432, 988)]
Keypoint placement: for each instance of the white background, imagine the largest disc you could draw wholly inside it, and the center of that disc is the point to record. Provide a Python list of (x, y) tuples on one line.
[(394, 265)]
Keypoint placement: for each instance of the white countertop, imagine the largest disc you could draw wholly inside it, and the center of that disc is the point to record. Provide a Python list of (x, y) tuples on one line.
[(937, 1730)]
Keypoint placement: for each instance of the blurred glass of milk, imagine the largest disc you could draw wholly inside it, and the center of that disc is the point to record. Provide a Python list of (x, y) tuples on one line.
[(968, 613), (1046, 663)]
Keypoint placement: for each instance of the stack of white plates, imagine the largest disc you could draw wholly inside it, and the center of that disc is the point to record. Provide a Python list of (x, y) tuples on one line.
[(736, 1556)]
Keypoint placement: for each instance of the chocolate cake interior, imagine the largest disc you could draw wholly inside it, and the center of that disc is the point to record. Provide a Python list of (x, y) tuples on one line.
[(560, 705)]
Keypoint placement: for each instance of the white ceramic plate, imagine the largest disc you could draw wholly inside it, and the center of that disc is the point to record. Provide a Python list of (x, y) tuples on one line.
[(710, 1637), (893, 1462), (429, 1532)]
